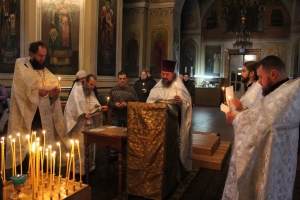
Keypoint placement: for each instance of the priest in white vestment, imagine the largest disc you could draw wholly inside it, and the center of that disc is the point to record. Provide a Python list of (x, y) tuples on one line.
[(253, 88), (83, 112), (171, 90), (35, 91), (264, 157)]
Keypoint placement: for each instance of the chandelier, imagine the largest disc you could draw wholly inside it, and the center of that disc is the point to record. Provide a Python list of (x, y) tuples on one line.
[(242, 38)]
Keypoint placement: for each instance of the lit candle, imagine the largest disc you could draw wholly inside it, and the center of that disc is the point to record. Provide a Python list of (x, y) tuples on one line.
[(107, 100), (229, 97), (3, 159), (14, 156), (37, 165), (143, 85), (73, 154), (67, 170), (58, 81), (223, 88), (59, 169), (18, 134), (53, 174), (80, 172), (176, 87)]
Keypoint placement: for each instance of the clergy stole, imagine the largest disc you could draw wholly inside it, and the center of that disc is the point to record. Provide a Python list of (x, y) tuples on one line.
[(152, 150)]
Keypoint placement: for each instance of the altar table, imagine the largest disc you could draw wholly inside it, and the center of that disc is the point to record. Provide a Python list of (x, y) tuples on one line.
[(105, 136)]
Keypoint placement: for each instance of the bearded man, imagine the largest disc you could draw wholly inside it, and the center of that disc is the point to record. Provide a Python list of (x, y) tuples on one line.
[(264, 157), (83, 112), (171, 90), (253, 88), (35, 102)]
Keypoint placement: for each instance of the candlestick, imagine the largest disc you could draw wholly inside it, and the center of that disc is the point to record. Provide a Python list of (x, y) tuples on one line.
[(18, 134), (59, 169), (176, 87), (80, 172), (107, 100)]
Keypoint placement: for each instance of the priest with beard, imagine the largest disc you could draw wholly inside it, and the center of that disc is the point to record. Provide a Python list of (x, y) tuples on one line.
[(252, 87), (171, 90), (35, 103), (264, 155), (83, 112)]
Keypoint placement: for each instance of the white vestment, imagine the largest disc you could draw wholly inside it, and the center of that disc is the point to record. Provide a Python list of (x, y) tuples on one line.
[(253, 94), (159, 93), (25, 100), (77, 106), (264, 157)]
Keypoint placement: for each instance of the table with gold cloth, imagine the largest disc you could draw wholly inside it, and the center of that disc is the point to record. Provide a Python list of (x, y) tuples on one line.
[(152, 150)]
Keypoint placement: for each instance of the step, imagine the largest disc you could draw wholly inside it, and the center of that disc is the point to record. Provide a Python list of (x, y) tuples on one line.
[(205, 143), (216, 161)]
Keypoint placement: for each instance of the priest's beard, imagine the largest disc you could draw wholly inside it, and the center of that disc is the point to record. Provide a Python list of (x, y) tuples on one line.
[(169, 83), (87, 91), (245, 80), (267, 88), (36, 64)]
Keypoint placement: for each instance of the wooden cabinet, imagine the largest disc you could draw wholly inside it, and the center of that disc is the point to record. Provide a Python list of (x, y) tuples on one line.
[(208, 97)]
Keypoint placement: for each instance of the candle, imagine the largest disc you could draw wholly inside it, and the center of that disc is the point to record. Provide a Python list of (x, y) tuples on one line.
[(33, 170), (229, 97), (53, 174), (58, 81), (3, 159), (29, 151), (143, 85), (42, 165), (34, 135), (50, 155), (46, 164), (18, 134), (223, 88), (59, 169), (12, 154), (44, 147), (73, 154), (80, 172), (107, 100), (176, 87), (37, 160), (14, 157), (67, 175)]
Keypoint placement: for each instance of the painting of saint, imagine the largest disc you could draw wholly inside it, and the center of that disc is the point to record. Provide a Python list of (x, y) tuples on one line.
[(10, 34), (107, 38), (159, 52), (60, 30)]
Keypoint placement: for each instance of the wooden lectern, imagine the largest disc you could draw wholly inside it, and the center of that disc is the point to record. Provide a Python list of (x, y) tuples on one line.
[(152, 150)]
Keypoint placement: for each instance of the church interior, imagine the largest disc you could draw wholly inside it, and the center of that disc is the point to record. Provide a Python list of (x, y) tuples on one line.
[(209, 39)]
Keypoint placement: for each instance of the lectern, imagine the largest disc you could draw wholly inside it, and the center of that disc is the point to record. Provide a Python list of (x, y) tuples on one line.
[(152, 150)]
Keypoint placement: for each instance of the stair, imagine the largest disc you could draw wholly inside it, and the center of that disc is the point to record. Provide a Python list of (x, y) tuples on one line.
[(208, 151)]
